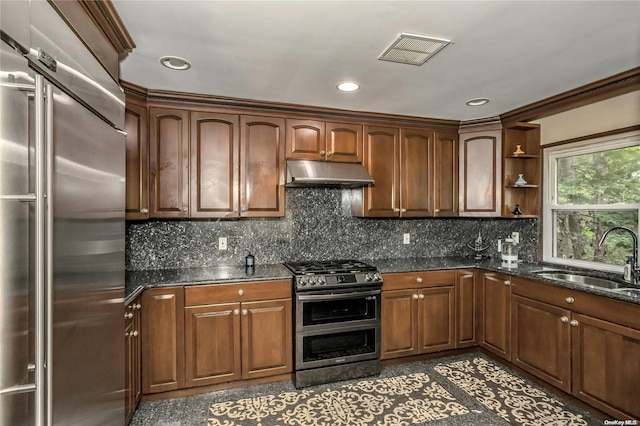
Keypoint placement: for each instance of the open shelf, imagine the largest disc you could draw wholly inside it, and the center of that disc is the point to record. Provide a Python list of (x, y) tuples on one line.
[(527, 136)]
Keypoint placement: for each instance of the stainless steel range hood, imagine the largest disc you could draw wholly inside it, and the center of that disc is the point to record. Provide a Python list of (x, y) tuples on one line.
[(301, 173)]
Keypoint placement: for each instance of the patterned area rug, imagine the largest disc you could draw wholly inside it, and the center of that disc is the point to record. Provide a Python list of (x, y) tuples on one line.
[(411, 399)]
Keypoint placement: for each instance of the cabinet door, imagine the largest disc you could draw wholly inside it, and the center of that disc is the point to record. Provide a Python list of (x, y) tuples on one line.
[(416, 152), (399, 323), (480, 174), (267, 338), (466, 309), (137, 185), (128, 371), (445, 171), (162, 339), (169, 163), (262, 167), (344, 142), (306, 140), (212, 344), (436, 319), (605, 366), (133, 375), (215, 165), (541, 340), (381, 153), (496, 315)]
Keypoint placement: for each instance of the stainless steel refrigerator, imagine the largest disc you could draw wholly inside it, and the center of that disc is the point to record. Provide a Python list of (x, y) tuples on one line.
[(62, 176)]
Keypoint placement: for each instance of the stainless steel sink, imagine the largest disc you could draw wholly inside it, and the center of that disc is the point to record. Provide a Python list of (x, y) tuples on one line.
[(583, 280), (633, 292)]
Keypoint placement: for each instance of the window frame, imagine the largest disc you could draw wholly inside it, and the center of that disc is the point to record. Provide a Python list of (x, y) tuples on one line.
[(549, 194)]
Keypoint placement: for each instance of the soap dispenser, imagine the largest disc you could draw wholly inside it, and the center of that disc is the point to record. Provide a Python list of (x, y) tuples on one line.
[(628, 268), (509, 253)]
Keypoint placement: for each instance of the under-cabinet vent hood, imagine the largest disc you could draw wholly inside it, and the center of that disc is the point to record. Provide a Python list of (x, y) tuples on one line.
[(321, 173)]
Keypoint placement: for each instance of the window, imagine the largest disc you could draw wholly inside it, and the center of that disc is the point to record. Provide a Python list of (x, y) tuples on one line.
[(591, 186)]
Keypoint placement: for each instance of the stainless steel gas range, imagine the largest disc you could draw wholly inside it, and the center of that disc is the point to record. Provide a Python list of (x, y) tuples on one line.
[(337, 321)]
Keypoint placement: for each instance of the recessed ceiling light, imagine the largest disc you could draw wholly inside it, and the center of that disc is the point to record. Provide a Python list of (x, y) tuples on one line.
[(348, 86), (477, 101), (175, 63)]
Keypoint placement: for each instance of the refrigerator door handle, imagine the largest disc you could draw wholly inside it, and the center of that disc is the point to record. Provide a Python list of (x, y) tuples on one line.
[(18, 389), (48, 199)]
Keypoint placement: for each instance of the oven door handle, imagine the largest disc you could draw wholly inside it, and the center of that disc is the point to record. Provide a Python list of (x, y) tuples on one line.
[(334, 296)]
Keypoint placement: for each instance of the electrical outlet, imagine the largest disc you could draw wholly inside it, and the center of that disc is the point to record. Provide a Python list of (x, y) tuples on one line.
[(406, 239), (516, 237), (222, 243)]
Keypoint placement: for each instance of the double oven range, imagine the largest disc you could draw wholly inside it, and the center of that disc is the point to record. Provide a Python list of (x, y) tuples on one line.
[(337, 321)]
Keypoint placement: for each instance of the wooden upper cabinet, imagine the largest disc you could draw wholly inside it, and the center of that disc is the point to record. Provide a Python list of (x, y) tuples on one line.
[(480, 173), (381, 152), (416, 153), (169, 163), (344, 142), (324, 141), (215, 165), (445, 175), (137, 146), (262, 165)]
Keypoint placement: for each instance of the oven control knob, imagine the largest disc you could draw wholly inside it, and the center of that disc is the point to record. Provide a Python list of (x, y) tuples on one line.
[(303, 281), (321, 280), (312, 281), (368, 277), (377, 276)]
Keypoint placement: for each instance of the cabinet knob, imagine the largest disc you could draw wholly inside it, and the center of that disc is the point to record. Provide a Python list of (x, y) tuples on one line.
[(396, 210), (144, 211), (137, 306), (245, 312), (128, 315), (126, 334), (437, 210), (244, 209), (570, 299), (240, 292), (236, 312), (403, 210), (419, 279), (574, 323), (415, 297), (322, 152), (421, 296), (564, 319), (329, 154), (507, 282), (135, 333), (185, 209)]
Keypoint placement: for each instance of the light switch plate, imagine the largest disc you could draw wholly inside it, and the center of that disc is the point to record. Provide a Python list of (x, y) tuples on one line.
[(222, 243), (406, 238)]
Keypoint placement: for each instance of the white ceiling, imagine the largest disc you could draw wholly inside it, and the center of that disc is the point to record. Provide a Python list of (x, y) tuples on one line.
[(512, 52)]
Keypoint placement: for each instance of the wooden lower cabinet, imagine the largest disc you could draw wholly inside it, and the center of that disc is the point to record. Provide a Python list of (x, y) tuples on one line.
[(495, 313), (132, 373), (418, 313), (466, 309), (541, 340), (162, 339)]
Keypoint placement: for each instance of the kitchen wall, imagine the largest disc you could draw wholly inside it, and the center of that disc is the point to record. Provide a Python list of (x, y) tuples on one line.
[(318, 225)]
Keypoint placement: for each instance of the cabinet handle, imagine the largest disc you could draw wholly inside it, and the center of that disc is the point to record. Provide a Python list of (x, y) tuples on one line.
[(322, 152), (419, 279), (128, 315), (421, 296), (396, 210), (126, 334), (240, 292), (574, 323), (403, 210), (564, 319), (507, 282), (437, 210), (185, 209), (329, 154), (137, 306), (415, 297), (144, 211), (135, 333), (570, 299), (245, 312), (236, 312)]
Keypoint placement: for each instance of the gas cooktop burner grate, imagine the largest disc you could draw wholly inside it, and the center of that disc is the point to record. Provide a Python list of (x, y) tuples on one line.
[(328, 267)]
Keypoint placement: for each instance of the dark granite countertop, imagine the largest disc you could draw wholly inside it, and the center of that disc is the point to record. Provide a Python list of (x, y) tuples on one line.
[(525, 270), (137, 281)]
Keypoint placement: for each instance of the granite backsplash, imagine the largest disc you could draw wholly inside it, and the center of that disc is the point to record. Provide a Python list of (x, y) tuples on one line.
[(318, 226)]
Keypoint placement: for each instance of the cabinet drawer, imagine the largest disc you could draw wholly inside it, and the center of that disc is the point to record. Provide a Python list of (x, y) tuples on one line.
[(418, 280), (603, 307), (237, 292)]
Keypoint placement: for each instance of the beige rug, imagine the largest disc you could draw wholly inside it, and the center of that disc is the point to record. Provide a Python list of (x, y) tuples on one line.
[(487, 394)]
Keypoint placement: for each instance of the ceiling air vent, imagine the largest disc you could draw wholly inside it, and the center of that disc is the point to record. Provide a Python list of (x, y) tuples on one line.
[(413, 49)]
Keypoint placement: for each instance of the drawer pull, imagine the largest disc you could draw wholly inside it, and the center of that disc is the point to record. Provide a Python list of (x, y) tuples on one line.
[(419, 279), (507, 282), (570, 299), (564, 319), (574, 323), (240, 292)]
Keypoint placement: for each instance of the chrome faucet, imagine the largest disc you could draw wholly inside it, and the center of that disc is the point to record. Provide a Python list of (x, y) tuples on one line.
[(635, 268)]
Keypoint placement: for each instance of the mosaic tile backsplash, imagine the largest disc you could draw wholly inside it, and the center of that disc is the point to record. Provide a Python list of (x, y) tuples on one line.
[(318, 226)]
